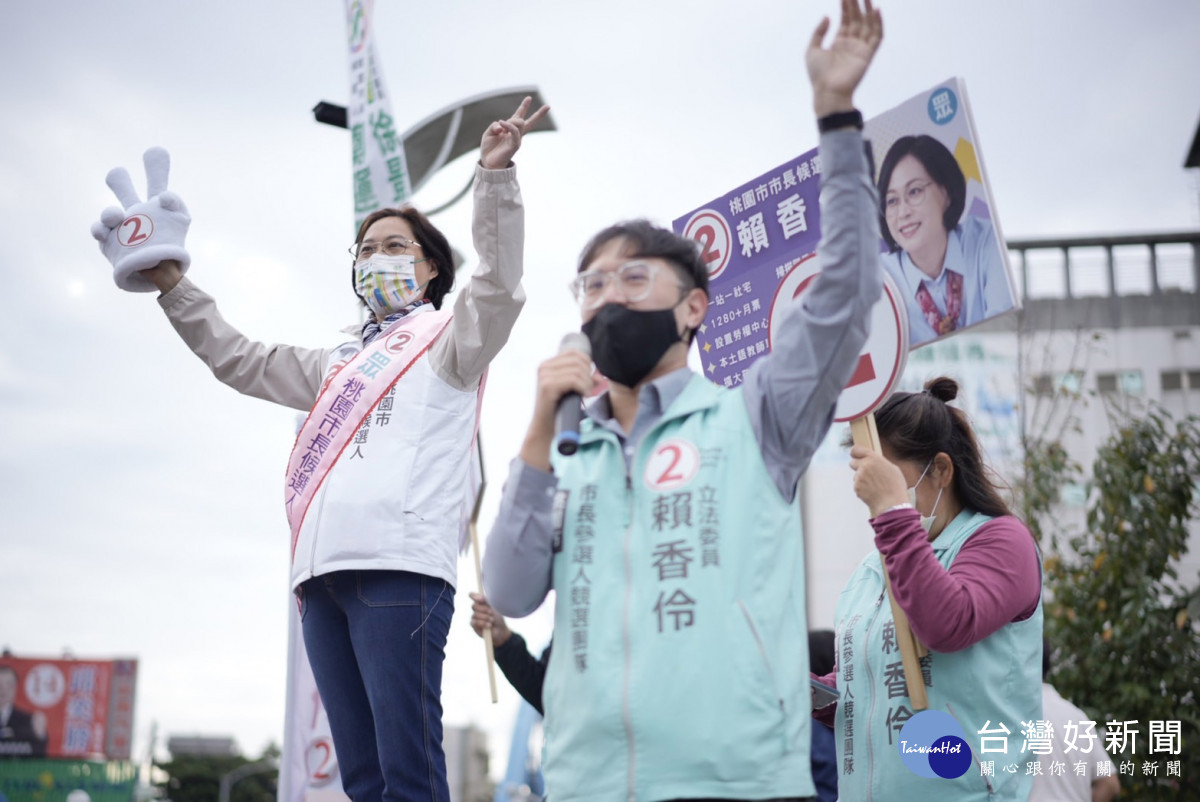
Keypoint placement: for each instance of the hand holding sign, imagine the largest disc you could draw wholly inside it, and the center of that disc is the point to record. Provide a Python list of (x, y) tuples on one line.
[(144, 233), (879, 483)]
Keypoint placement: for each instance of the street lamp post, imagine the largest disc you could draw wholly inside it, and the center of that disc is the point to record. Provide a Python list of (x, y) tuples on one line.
[(447, 134), (243, 771)]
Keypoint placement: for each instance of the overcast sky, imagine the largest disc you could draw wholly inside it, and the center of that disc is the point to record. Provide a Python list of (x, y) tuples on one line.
[(140, 500)]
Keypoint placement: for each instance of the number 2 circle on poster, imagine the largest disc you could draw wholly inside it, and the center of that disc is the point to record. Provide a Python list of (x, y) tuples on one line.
[(709, 228), (320, 762), (881, 361), (135, 230), (673, 464), (396, 343)]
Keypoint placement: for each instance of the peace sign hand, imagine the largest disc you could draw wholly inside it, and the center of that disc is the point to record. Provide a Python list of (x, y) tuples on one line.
[(146, 233), (502, 138)]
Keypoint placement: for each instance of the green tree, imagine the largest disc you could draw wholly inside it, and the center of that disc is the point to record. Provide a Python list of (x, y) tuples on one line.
[(198, 778), (1121, 620)]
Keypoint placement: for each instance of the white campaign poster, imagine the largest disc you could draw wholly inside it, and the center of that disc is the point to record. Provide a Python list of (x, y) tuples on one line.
[(308, 770)]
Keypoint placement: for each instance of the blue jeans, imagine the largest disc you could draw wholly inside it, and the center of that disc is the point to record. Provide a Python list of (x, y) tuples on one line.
[(376, 641)]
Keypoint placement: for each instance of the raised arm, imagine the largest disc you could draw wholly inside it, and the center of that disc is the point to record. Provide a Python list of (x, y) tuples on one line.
[(144, 241), (791, 393), (283, 374), (488, 305), (994, 580)]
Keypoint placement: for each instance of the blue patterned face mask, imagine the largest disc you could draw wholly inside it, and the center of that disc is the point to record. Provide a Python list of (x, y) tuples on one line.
[(388, 283)]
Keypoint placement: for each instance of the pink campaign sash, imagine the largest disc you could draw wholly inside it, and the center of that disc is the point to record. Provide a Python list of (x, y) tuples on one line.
[(345, 403)]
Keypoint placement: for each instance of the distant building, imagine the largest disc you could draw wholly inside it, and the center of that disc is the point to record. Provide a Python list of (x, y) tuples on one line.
[(467, 764), (202, 746), (1116, 318)]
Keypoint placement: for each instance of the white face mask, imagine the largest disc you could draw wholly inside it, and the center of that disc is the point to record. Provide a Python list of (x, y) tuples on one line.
[(926, 520), (388, 283)]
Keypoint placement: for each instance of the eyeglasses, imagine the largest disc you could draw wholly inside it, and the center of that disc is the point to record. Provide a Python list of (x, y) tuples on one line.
[(635, 280), (392, 246), (914, 196)]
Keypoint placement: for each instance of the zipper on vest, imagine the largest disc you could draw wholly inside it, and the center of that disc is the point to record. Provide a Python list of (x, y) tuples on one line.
[(871, 708), (626, 635), (986, 780), (762, 650)]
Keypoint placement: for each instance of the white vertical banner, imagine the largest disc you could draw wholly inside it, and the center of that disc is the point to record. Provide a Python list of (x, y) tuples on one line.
[(377, 151), (308, 769)]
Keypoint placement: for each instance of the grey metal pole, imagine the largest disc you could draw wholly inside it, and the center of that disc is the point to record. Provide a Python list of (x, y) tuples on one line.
[(241, 772)]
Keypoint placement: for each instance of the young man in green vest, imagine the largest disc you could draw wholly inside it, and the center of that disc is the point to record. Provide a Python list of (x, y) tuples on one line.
[(672, 536)]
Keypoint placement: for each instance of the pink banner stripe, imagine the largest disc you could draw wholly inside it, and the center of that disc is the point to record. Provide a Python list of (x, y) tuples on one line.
[(369, 376)]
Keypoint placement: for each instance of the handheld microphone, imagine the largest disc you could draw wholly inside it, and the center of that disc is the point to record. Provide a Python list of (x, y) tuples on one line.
[(569, 413)]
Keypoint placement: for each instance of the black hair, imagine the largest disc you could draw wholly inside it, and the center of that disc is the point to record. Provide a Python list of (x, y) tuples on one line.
[(919, 426), (643, 238), (942, 167), (434, 246), (1046, 664)]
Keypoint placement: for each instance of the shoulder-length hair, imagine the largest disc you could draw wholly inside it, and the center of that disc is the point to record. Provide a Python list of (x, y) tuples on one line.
[(434, 246), (942, 167)]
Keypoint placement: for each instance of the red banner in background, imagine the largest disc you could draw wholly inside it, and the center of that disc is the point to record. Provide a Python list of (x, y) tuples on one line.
[(66, 708)]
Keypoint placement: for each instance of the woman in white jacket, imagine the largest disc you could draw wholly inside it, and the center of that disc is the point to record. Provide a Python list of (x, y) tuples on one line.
[(377, 481)]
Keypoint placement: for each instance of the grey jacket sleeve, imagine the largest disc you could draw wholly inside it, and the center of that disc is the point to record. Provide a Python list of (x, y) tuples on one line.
[(487, 307), (284, 374), (518, 561), (791, 393)]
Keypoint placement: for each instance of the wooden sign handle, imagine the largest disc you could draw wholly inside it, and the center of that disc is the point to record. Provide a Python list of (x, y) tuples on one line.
[(488, 649), (864, 433)]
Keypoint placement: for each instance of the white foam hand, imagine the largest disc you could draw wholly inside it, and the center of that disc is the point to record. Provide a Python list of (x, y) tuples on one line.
[(146, 233)]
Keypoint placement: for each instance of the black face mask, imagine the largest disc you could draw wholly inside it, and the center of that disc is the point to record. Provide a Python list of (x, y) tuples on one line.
[(628, 343)]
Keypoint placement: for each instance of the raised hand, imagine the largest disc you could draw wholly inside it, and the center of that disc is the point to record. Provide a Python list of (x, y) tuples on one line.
[(143, 234), (836, 71), (502, 138)]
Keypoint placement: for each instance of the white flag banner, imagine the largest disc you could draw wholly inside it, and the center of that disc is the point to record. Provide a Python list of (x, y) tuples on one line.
[(308, 770), (380, 169)]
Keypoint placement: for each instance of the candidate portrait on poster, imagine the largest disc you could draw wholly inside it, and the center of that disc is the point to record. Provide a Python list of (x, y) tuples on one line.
[(941, 243)]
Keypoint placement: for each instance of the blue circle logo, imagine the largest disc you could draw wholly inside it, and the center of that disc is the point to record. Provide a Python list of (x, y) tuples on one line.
[(933, 744), (943, 105)]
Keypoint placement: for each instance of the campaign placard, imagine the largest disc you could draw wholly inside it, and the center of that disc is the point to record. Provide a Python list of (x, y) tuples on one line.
[(67, 708), (949, 270), (751, 239), (942, 243)]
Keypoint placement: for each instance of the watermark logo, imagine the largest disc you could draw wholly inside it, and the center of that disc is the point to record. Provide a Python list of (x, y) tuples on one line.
[(933, 744)]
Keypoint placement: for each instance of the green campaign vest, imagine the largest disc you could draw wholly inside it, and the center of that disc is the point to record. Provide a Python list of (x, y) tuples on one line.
[(680, 662), (995, 682)]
